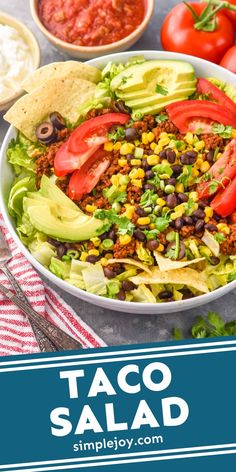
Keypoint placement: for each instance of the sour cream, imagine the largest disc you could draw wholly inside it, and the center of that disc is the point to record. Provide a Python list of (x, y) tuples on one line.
[(15, 61)]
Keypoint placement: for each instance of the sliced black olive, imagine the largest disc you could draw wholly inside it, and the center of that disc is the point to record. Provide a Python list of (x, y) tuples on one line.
[(45, 132), (57, 120), (121, 107), (182, 249)]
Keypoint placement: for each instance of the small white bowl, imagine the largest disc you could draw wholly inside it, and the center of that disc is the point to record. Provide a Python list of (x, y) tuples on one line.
[(203, 69), (82, 52), (30, 39)]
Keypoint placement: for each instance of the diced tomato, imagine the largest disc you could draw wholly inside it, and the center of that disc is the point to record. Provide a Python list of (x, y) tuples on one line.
[(225, 202), (85, 179), (220, 173), (182, 113), (205, 87), (66, 162), (94, 131)]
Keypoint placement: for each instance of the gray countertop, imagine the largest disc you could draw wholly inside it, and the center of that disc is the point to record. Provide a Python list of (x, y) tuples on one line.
[(121, 328)]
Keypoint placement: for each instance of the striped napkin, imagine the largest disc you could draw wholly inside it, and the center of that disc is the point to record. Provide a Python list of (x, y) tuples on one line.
[(16, 335)]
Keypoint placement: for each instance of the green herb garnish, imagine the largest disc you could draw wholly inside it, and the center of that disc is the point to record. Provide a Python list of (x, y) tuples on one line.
[(223, 131), (124, 225), (117, 135), (161, 118), (219, 237), (209, 327), (161, 89)]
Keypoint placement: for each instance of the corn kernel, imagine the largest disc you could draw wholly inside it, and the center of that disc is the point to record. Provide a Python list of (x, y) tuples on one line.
[(122, 188), (126, 148), (223, 228), (199, 145), (122, 162), (152, 226), (179, 187), (195, 206), (151, 136), (134, 174), (195, 172), (157, 149), (117, 146), (96, 241), (152, 160), (194, 196), (135, 162), (205, 167), (161, 202), (152, 146), (145, 138), (109, 256), (141, 173), (206, 219), (175, 215), (189, 138), (233, 134), (164, 135), (83, 256), (125, 239), (218, 156), (164, 176), (108, 146), (93, 252), (115, 180), (104, 262), (160, 248), (163, 142), (90, 208), (143, 221), (137, 183), (129, 213), (209, 212), (199, 162)]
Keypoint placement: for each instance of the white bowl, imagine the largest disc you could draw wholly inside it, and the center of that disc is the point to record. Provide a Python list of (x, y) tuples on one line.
[(204, 69)]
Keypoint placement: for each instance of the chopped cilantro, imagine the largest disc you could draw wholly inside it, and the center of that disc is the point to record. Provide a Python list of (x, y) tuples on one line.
[(209, 327), (173, 252), (117, 135), (185, 176), (223, 131), (161, 223), (216, 152), (213, 187), (163, 169), (113, 195), (232, 277), (148, 198), (161, 118), (179, 144), (125, 226), (150, 235), (198, 131), (161, 89), (206, 177), (219, 237), (189, 207)]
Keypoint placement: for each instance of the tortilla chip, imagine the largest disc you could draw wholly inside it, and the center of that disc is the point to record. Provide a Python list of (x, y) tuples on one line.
[(186, 276), (167, 264), (61, 70), (131, 262), (64, 96)]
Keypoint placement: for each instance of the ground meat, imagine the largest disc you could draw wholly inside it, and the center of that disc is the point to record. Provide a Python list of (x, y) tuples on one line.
[(141, 126), (63, 183), (167, 127), (121, 252), (187, 231), (228, 247), (212, 141), (97, 112)]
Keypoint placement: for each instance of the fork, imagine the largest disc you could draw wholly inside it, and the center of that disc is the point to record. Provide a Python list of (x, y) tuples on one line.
[(49, 337)]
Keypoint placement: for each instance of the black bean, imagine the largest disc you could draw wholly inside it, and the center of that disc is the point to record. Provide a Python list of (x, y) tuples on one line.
[(177, 169), (202, 204), (149, 174), (112, 234), (210, 227), (104, 236), (210, 156), (171, 156), (109, 273), (140, 211), (185, 159), (171, 181), (145, 165), (127, 286), (54, 242), (188, 220), (144, 227), (152, 245), (179, 223), (199, 214), (139, 235), (192, 154), (217, 217), (162, 154), (149, 187), (214, 260), (199, 226), (92, 259), (171, 201), (129, 157), (122, 108), (165, 295), (61, 250), (131, 134), (121, 295), (182, 197), (182, 250)]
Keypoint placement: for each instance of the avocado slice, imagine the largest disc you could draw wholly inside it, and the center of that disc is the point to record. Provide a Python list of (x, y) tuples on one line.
[(154, 109), (143, 93), (149, 73), (49, 190), (159, 99), (60, 211)]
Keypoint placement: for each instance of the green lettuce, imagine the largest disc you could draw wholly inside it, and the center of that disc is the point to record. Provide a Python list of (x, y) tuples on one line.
[(42, 250), (95, 280), (17, 193), (22, 153), (143, 295), (60, 268)]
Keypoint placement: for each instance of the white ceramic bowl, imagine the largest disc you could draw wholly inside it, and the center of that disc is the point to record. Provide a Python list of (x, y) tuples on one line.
[(30, 39), (204, 69)]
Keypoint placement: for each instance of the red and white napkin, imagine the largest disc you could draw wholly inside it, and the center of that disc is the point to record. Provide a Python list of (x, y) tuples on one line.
[(16, 335)]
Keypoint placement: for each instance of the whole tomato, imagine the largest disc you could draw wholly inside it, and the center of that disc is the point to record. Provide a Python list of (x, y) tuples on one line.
[(229, 60), (230, 14), (184, 31)]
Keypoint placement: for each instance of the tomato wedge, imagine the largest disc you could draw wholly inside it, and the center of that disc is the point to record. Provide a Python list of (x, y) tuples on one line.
[(205, 87), (85, 179), (181, 113), (66, 162), (220, 173), (94, 131), (225, 202)]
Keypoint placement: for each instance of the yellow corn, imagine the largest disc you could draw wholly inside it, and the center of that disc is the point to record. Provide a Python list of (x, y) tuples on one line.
[(83, 256), (195, 206), (161, 202), (157, 149), (109, 256), (122, 188), (129, 212), (90, 208), (108, 146), (144, 220), (194, 196), (205, 167), (223, 228), (122, 162), (189, 138), (163, 142), (126, 148), (233, 134), (141, 173), (145, 138), (152, 226), (152, 146), (195, 172), (93, 252), (153, 160), (104, 262), (117, 146), (176, 214), (164, 135), (124, 239), (199, 162), (135, 162), (151, 137), (115, 180), (209, 212), (206, 219), (160, 248), (199, 145), (218, 156), (96, 241), (179, 188), (137, 183)]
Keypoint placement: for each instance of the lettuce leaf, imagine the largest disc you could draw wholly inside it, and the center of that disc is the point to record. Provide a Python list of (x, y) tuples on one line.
[(17, 193), (95, 280), (22, 153), (42, 250)]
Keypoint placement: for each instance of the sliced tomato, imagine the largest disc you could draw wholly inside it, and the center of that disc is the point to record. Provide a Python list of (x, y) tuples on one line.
[(181, 113), (94, 131), (205, 87), (225, 202), (221, 173), (85, 179), (66, 162)]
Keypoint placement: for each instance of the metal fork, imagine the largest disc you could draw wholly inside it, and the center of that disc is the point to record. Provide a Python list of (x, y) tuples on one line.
[(48, 336)]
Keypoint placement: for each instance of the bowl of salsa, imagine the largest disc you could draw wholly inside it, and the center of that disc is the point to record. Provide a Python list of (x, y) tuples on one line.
[(89, 28)]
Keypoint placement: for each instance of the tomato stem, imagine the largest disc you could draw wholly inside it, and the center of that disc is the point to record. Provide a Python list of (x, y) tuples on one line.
[(207, 20), (223, 4)]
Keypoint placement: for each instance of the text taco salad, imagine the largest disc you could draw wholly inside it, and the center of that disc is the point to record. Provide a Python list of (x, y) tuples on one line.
[(125, 179)]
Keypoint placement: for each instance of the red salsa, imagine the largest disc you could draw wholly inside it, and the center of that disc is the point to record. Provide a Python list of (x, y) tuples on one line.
[(91, 22)]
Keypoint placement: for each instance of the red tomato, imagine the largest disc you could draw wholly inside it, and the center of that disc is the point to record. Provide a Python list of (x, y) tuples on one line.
[(85, 179), (207, 88), (222, 172), (178, 34), (183, 114), (225, 202), (230, 14), (229, 59), (66, 162), (94, 131)]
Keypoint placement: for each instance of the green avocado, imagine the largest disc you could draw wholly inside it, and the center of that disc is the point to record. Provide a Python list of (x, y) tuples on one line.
[(49, 190), (158, 99), (147, 93), (154, 109)]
